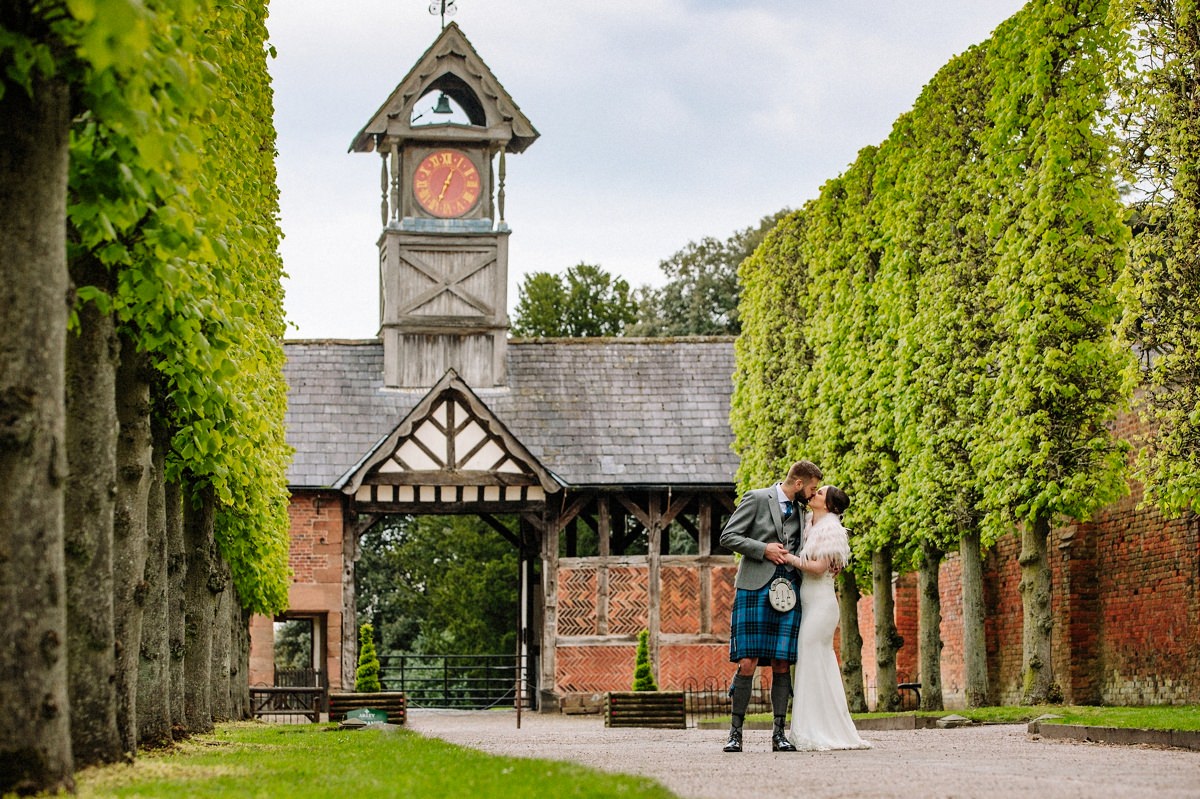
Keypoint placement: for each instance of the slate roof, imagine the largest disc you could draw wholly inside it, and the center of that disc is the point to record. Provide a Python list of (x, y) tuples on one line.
[(595, 412)]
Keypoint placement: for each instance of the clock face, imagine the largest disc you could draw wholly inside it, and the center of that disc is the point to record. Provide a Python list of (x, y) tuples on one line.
[(446, 183)]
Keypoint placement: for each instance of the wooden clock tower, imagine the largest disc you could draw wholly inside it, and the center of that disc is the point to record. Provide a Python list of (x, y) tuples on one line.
[(443, 253)]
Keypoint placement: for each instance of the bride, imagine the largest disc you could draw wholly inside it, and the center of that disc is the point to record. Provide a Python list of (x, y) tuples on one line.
[(820, 717)]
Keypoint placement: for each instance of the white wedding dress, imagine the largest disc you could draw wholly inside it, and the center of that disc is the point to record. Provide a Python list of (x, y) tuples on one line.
[(820, 716)]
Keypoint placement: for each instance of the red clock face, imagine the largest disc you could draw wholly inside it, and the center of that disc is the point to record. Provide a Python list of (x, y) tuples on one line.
[(446, 183)]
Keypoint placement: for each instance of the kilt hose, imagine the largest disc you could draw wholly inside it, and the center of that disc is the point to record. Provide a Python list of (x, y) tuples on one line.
[(758, 630)]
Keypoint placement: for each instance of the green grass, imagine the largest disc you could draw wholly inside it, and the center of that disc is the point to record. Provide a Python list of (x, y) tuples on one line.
[(1157, 717), (260, 760)]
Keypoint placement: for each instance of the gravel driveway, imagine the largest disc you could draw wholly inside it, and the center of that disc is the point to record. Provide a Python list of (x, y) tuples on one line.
[(989, 761)]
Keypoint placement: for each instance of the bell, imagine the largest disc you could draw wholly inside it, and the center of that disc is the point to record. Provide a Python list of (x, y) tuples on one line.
[(443, 105)]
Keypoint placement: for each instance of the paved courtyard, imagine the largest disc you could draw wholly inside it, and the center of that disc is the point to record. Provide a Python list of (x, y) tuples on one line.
[(990, 761)]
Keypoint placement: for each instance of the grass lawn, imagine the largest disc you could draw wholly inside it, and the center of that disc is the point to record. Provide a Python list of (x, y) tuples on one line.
[(1158, 717), (250, 759)]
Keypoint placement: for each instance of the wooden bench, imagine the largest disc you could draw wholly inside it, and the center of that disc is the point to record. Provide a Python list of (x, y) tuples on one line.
[(393, 703), (645, 709)]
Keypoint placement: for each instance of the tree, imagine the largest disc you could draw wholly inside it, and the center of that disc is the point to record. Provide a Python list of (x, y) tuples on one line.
[(1058, 372), (701, 295), (366, 676), (586, 302), (643, 674), (1162, 308)]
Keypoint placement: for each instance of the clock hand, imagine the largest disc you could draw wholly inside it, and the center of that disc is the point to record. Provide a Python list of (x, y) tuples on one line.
[(445, 185)]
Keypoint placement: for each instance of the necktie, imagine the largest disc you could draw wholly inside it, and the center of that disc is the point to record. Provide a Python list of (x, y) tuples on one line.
[(787, 510)]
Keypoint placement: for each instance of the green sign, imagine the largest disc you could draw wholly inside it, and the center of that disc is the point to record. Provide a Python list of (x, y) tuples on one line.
[(369, 715)]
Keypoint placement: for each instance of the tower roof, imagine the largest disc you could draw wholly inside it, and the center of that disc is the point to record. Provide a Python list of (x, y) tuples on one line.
[(450, 65)]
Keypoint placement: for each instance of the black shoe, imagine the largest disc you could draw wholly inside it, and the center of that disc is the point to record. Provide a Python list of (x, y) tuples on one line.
[(780, 743), (734, 744)]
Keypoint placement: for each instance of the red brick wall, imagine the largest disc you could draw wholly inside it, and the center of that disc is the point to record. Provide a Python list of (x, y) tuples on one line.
[(907, 618), (315, 559), (1126, 607)]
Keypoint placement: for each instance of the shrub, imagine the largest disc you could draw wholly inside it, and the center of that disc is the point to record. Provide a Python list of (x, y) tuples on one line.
[(643, 677), (366, 676)]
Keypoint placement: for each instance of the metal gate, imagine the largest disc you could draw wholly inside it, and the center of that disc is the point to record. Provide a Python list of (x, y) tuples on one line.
[(459, 681)]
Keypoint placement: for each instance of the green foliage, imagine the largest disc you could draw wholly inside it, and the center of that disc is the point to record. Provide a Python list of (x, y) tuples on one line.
[(1059, 373), (769, 417), (172, 188), (1162, 290), (366, 676), (643, 676), (586, 302), (701, 295), (439, 585)]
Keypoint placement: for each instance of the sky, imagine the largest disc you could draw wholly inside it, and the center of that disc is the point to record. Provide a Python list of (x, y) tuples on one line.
[(662, 122)]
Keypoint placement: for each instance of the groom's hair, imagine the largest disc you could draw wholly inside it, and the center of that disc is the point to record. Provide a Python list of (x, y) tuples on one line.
[(803, 470)]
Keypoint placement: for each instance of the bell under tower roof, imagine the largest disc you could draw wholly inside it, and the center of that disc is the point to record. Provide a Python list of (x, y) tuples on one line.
[(452, 66)]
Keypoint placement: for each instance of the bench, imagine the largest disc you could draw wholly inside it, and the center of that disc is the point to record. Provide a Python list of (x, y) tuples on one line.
[(906, 689)]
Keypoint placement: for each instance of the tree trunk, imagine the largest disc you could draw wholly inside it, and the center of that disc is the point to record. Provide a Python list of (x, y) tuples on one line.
[(887, 637), (91, 425), (239, 681), (129, 530), (154, 694), (851, 642), (974, 612), (35, 738), (930, 626), (176, 602), (1037, 673), (198, 610), (222, 644)]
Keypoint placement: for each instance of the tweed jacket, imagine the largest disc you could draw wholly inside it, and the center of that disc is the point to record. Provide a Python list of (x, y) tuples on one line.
[(756, 522)]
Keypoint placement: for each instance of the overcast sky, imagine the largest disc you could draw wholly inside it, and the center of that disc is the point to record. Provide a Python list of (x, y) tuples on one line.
[(661, 121)]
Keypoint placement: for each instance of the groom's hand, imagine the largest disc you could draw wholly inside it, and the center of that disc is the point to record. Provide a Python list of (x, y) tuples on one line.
[(776, 552)]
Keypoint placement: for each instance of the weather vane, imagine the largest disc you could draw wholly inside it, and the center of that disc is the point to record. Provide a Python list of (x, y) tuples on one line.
[(443, 7)]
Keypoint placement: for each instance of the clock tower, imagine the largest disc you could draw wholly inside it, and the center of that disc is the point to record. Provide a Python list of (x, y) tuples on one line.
[(443, 252)]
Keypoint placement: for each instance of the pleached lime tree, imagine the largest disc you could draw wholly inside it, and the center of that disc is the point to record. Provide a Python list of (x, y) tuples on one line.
[(1059, 374), (166, 185), (769, 419), (1162, 321)]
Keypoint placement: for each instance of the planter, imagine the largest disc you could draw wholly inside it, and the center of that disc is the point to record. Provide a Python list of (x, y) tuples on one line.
[(645, 709), (393, 703)]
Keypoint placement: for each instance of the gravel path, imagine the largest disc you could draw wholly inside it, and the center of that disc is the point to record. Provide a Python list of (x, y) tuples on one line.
[(990, 761)]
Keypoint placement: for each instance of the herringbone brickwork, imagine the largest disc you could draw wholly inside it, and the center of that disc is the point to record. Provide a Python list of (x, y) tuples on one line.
[(680, 610), (577, 601), (583, 669), (723, 593), (628, 599), (693, 665)]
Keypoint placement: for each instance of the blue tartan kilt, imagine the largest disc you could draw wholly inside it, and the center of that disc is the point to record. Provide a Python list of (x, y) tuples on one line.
[(759, 630)]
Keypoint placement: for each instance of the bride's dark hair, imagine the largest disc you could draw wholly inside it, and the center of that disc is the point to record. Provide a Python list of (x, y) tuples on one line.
[(836, 500)]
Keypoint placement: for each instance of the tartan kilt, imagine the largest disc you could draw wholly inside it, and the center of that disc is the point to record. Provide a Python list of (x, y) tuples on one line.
[(758, 630)]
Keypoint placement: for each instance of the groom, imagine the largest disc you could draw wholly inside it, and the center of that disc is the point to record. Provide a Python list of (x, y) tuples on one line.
[(766, 525)]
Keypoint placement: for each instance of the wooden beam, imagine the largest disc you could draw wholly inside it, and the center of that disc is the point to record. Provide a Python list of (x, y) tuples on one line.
[(500, 528)]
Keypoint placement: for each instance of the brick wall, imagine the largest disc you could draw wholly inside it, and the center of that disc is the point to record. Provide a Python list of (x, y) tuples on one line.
[(315, 559), (1126, 609)]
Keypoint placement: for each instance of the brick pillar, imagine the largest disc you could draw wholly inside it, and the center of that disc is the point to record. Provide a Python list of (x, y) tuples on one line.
[(1078, 650), (907, 617)]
